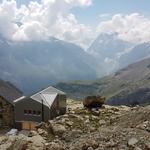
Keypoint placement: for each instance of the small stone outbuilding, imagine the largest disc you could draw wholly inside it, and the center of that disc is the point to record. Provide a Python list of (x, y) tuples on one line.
[(8, 93)]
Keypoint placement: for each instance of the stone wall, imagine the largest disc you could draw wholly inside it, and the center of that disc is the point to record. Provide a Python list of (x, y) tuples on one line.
[(6, 113)]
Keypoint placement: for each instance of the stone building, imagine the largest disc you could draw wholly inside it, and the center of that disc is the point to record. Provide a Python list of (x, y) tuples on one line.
[(8, 93)]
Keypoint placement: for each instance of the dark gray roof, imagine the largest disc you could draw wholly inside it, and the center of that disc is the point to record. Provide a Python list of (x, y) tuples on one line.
[(9, 91)]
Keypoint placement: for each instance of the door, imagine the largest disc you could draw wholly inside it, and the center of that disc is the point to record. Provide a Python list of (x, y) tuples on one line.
[(25, 125), (28, 125)]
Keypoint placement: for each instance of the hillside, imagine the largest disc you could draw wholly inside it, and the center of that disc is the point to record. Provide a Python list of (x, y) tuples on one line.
[(113, 53), (108, 45), (129, 86), (106, 48), (138, 53), (9, 91), (32, 65)]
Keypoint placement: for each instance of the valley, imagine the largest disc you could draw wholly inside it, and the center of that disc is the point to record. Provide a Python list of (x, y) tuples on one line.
[(128, 86)]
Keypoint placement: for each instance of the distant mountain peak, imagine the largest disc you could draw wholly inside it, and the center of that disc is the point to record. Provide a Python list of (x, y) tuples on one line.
[(108, 45), (36, 64)]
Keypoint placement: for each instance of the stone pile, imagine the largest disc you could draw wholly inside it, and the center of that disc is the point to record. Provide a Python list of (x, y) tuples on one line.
[(108, 128)]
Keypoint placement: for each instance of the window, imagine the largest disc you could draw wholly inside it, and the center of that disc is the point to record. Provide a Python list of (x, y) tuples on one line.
[(29, 112), (34, 112), (25, 112), (1, 105), (1, 116)]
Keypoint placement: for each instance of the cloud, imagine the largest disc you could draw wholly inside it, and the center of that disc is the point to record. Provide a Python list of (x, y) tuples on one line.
[(39, 21), (104, 15), (133, 28), (71, 30), (7, 18)]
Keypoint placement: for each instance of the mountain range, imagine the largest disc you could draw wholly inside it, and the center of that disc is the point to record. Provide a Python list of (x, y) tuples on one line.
[(106, 48), (113, 53), (128, 86), (32, 65)]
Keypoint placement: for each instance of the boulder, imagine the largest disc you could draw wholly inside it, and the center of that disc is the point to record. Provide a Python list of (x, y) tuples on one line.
[(69, 123), (137, 148), (40, 125), (36, 142), (132, 142), (90, 148), (102, 122), (14, 143), (20, 144), (32, 133), (144, 126), (56, 129), (89, 143), (93, 101), (3, 139), (41, 132), (56, 146), (147, 146)]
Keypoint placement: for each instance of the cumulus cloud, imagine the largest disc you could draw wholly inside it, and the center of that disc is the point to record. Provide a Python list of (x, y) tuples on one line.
[(7, 18), (39, 21), (133, 28)]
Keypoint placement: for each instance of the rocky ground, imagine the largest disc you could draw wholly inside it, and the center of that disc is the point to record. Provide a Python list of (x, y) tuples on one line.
[(108, 128)]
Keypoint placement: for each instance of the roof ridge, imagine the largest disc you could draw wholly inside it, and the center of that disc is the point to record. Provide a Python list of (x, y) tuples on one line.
[(20, 98), (58, 90), (40, 91), (48, 92)]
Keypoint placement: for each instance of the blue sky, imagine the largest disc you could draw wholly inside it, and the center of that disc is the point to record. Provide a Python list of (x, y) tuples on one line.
[(77, 21), (90, 15)]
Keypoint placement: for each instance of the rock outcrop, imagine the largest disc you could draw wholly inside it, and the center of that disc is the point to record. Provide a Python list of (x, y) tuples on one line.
[(94, 101)]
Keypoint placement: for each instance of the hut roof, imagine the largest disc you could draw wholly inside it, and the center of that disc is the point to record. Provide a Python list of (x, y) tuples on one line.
[(48, 95), (49, 98), (50, 90)]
